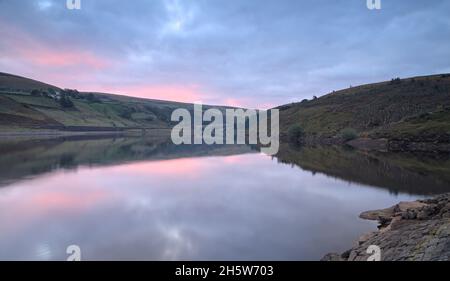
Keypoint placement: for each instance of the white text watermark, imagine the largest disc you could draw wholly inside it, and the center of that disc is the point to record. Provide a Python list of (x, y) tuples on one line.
[(238, 125), (373, 4), (73, 4), (375, 253), (74, 252)]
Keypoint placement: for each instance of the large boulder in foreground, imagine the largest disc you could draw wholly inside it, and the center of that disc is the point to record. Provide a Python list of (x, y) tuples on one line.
[(408, 231)]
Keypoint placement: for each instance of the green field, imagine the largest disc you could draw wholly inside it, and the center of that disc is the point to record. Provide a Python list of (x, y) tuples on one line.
[(20, 109)]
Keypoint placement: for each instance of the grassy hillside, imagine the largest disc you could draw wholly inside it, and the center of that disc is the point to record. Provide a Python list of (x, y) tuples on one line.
[(411, 107), (416, 109), (29, 104), (14, 83), (430, 126)]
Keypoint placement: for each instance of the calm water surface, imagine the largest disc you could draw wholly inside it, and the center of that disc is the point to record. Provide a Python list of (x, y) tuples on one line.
[(222, 205)]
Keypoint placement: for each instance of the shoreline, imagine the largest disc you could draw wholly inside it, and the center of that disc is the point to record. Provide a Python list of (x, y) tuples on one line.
[(379, 144), (408, 231), (32, 134)]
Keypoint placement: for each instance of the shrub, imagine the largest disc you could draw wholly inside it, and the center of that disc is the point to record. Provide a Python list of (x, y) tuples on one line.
[(72, 93), (36, 93), (395, 80), (92, 98), (349, 134), (162, 114), (296, 134), (51, 91), (126, 114), (65, 101)]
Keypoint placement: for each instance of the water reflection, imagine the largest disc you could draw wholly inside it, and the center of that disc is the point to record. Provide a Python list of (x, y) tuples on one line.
[(423, 174), (27, 158), (137, 199)]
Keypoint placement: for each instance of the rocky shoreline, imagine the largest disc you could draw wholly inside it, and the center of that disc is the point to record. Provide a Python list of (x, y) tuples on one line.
[(408, 231)]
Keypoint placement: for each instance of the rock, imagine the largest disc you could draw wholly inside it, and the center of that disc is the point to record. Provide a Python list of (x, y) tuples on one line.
[(409, 215), (404, 206), (364, 238), (332, 257), (378, 214), (417, 230), (423, 215), (446, 215)]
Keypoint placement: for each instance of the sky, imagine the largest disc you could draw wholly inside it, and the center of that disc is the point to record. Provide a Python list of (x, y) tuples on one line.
[(248, 53)]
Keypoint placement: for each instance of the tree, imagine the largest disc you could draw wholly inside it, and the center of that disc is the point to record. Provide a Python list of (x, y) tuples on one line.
[(65, 101), (127, 114), (396, 80), (349, 134), (36, 93), (51, 91), (72, 93), (296, 134), (92, 98)]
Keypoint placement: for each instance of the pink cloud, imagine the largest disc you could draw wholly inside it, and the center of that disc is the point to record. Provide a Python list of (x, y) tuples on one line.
[(247, 103), (180, 93), (44, 57), (70, 66), (31, 51)]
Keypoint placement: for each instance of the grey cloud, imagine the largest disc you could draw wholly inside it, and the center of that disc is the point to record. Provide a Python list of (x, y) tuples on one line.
[(265, 51)]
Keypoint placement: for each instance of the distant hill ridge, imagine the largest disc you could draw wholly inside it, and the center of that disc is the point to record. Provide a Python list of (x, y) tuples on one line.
[(29, 104), (416, 109), (413, 109)]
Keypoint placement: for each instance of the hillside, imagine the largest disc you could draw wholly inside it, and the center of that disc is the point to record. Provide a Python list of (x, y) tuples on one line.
[(10, 82), (401, 110), (416, 109), (28, 104)]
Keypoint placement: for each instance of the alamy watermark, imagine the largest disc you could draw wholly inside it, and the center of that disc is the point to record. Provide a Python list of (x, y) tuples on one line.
[(74, 252), (76, 4), (73, 4), (373, 4), (236, 127), (375, 253)]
